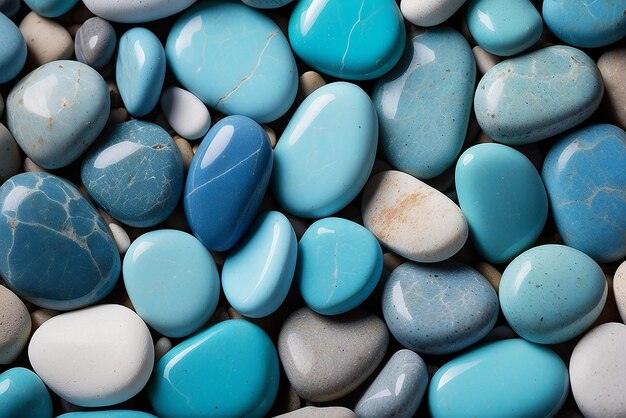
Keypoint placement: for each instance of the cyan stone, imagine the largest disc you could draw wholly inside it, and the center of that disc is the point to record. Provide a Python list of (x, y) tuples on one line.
[(13, 51), (50, 8), (94, 43), (424, 103), (23, 394), (586, 184), (116, 413), (235, 59), (58, 251)]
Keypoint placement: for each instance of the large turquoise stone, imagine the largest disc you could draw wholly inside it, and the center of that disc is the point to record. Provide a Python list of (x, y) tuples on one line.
[(228, 370), (235, 59), (434, 77), (13, 51), (23, 394)]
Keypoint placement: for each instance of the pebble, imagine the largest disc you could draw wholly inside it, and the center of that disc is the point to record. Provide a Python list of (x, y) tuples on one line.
[(161, 347), (319, 412), (10, 7), (186, 152), (14, 327), (619, 289), (121, 238), (484, 60), (10, 158), (50, 8), (104, 357), (428, 13), (136, 11), (23, 394), (309, 82), (610, 65), (46, 40), (185, 113), (399, 210), (94, 43), (117, 413), (13, 52)]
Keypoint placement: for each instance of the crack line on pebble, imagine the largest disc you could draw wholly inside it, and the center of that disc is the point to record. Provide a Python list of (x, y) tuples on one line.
[(343, 59)]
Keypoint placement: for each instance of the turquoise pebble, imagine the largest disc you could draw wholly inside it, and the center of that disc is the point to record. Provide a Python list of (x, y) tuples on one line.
[(228, 370), (50, 8), (326, 152), (235, 59), (509, 378), (13, 51), (586, 184), (504, 28), (503, 198), (172, 281), (434, 77), (552, 293), (258, 272), (339, 265), (117, 413), (140, 70), (23, 394), (349, 39)]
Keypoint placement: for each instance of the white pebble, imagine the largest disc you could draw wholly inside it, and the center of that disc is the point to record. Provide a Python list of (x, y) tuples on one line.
[(429, 12), (122, 240), (185, 113)]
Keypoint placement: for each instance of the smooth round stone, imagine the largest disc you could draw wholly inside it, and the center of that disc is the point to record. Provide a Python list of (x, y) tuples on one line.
[(537, 95), (326, 357), (116, 413), (344, 38), (10, 7), (326, 152), (319, 412), (552, 293), (504, 28), (46, 40), (136, 11), (98, 356), (172, 281), (611, 65), (428, 13), (227, 180), (50, 8), (255, 74), (14, 327), (438, 308), (95, 42), (140, 70), (13, 52), (56, 112), (258, 272), (135, 173), (10, 158), (398, 389), (502, 195), (47, 219), (266, 4), (23, 394), (619, 289), (230, 369), (185, 113), (434, 77), (411, 218), (339, 265), (586, 183)]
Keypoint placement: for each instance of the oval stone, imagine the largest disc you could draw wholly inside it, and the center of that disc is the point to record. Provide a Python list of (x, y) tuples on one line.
[(15, 326), (136, 11), (45, 218), (94, 43), (50, 8), (537, 95), (23, 394), (250, 63), (115, 413), (326, 152), (230, 369), (185, 113), (426, 13), (13, 52), (56, 112)]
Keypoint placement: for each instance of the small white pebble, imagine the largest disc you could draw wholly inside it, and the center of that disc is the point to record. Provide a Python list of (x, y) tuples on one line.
[(122, 240), (185, 113)]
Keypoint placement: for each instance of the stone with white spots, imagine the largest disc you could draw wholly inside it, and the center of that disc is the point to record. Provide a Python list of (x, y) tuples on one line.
[(185, 113), (136, 11), (427, 13)]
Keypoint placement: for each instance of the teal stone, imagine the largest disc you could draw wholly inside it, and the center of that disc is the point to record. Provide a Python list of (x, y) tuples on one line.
[(228, 370), (503, 199), (13, 51), (56, 112), (140, 70), (538, 95), (117, 413), (424, 103), (339, 265), (326, 152), (172, 281), (348, 39), (235, 59), (50, 8), (552, 293), (509, 378), (586, 184), (258, 272), (23, 394), (504, 28)]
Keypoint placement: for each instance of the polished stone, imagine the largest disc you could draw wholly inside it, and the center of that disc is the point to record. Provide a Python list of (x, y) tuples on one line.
[(427, 13), (185, 113), (13, 52), (94, 43), (23, 394), (50, 8), (136, 11)]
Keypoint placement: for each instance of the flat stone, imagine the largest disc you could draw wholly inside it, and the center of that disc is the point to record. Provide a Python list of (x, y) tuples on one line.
[(10, 158), (46, 40), (95, 42), (24, 394), (13, 52), (136, 11), (319, 412), (14, 326), (610, 65), (428, 13), (185, 113), (50, 8)]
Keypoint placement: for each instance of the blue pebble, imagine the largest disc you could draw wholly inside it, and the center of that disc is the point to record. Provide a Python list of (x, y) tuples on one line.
[(172, 281), (50, 8), (227, 180), (586, 183), (140, 70), (58, 251), (135, 173), (424, 103), (13, 51), (116, 413), (258, 272), (228, 370), (23, 394), (10, 7)]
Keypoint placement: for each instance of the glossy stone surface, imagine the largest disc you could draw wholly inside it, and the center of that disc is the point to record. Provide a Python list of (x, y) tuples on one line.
[(326, 152), (10, 157), (185, 113), (57, 111), (114, 413), (15, 326), (426, 13), (258, 272), (503, 198), (241, 362), (537, 95), (94, 43), (135, 172), (227, 180), (45, 218), (435, 76), (244, 54), (13, 52), (586, 184), (50, 8), (136, 11), (344, 38), (23, 394), (505, 378)]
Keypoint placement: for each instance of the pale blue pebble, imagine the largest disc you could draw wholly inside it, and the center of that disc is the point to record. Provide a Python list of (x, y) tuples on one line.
[(13, 51), (114, 413), (50, 8), (23, 394)]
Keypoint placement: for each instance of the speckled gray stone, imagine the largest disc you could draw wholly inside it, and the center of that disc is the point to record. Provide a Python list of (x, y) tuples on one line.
[(14, 326), (10, 160), (10, 7), (315, 412), (95, 42)]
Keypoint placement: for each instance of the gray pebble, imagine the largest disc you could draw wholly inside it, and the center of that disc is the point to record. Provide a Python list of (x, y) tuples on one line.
[(10, 160), (14, 326), (95, 42), (314, 412)]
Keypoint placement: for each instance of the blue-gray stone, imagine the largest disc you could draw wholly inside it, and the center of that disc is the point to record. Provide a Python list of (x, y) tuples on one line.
[(95, 42)]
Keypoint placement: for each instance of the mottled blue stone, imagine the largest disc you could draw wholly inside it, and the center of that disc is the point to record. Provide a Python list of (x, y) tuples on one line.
[(23, 394), (116, 413), (50, 8), (135, 173), (585, 177), (424, 103), (227, 180), (13, 51), (94, 43), (58, 251)]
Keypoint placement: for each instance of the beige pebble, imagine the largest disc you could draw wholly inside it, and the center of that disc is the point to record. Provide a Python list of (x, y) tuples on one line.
[(185, 150), (40, 316), (161, 347), (46, 40), (177, 220), (122, 240), (31, 167), (118, 115), (490, 273), (271, 135), (392, 260), (484, 60), (309, 82), (195, 147), (14, 326), (612, 65), (619, 290), (320, 412)]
